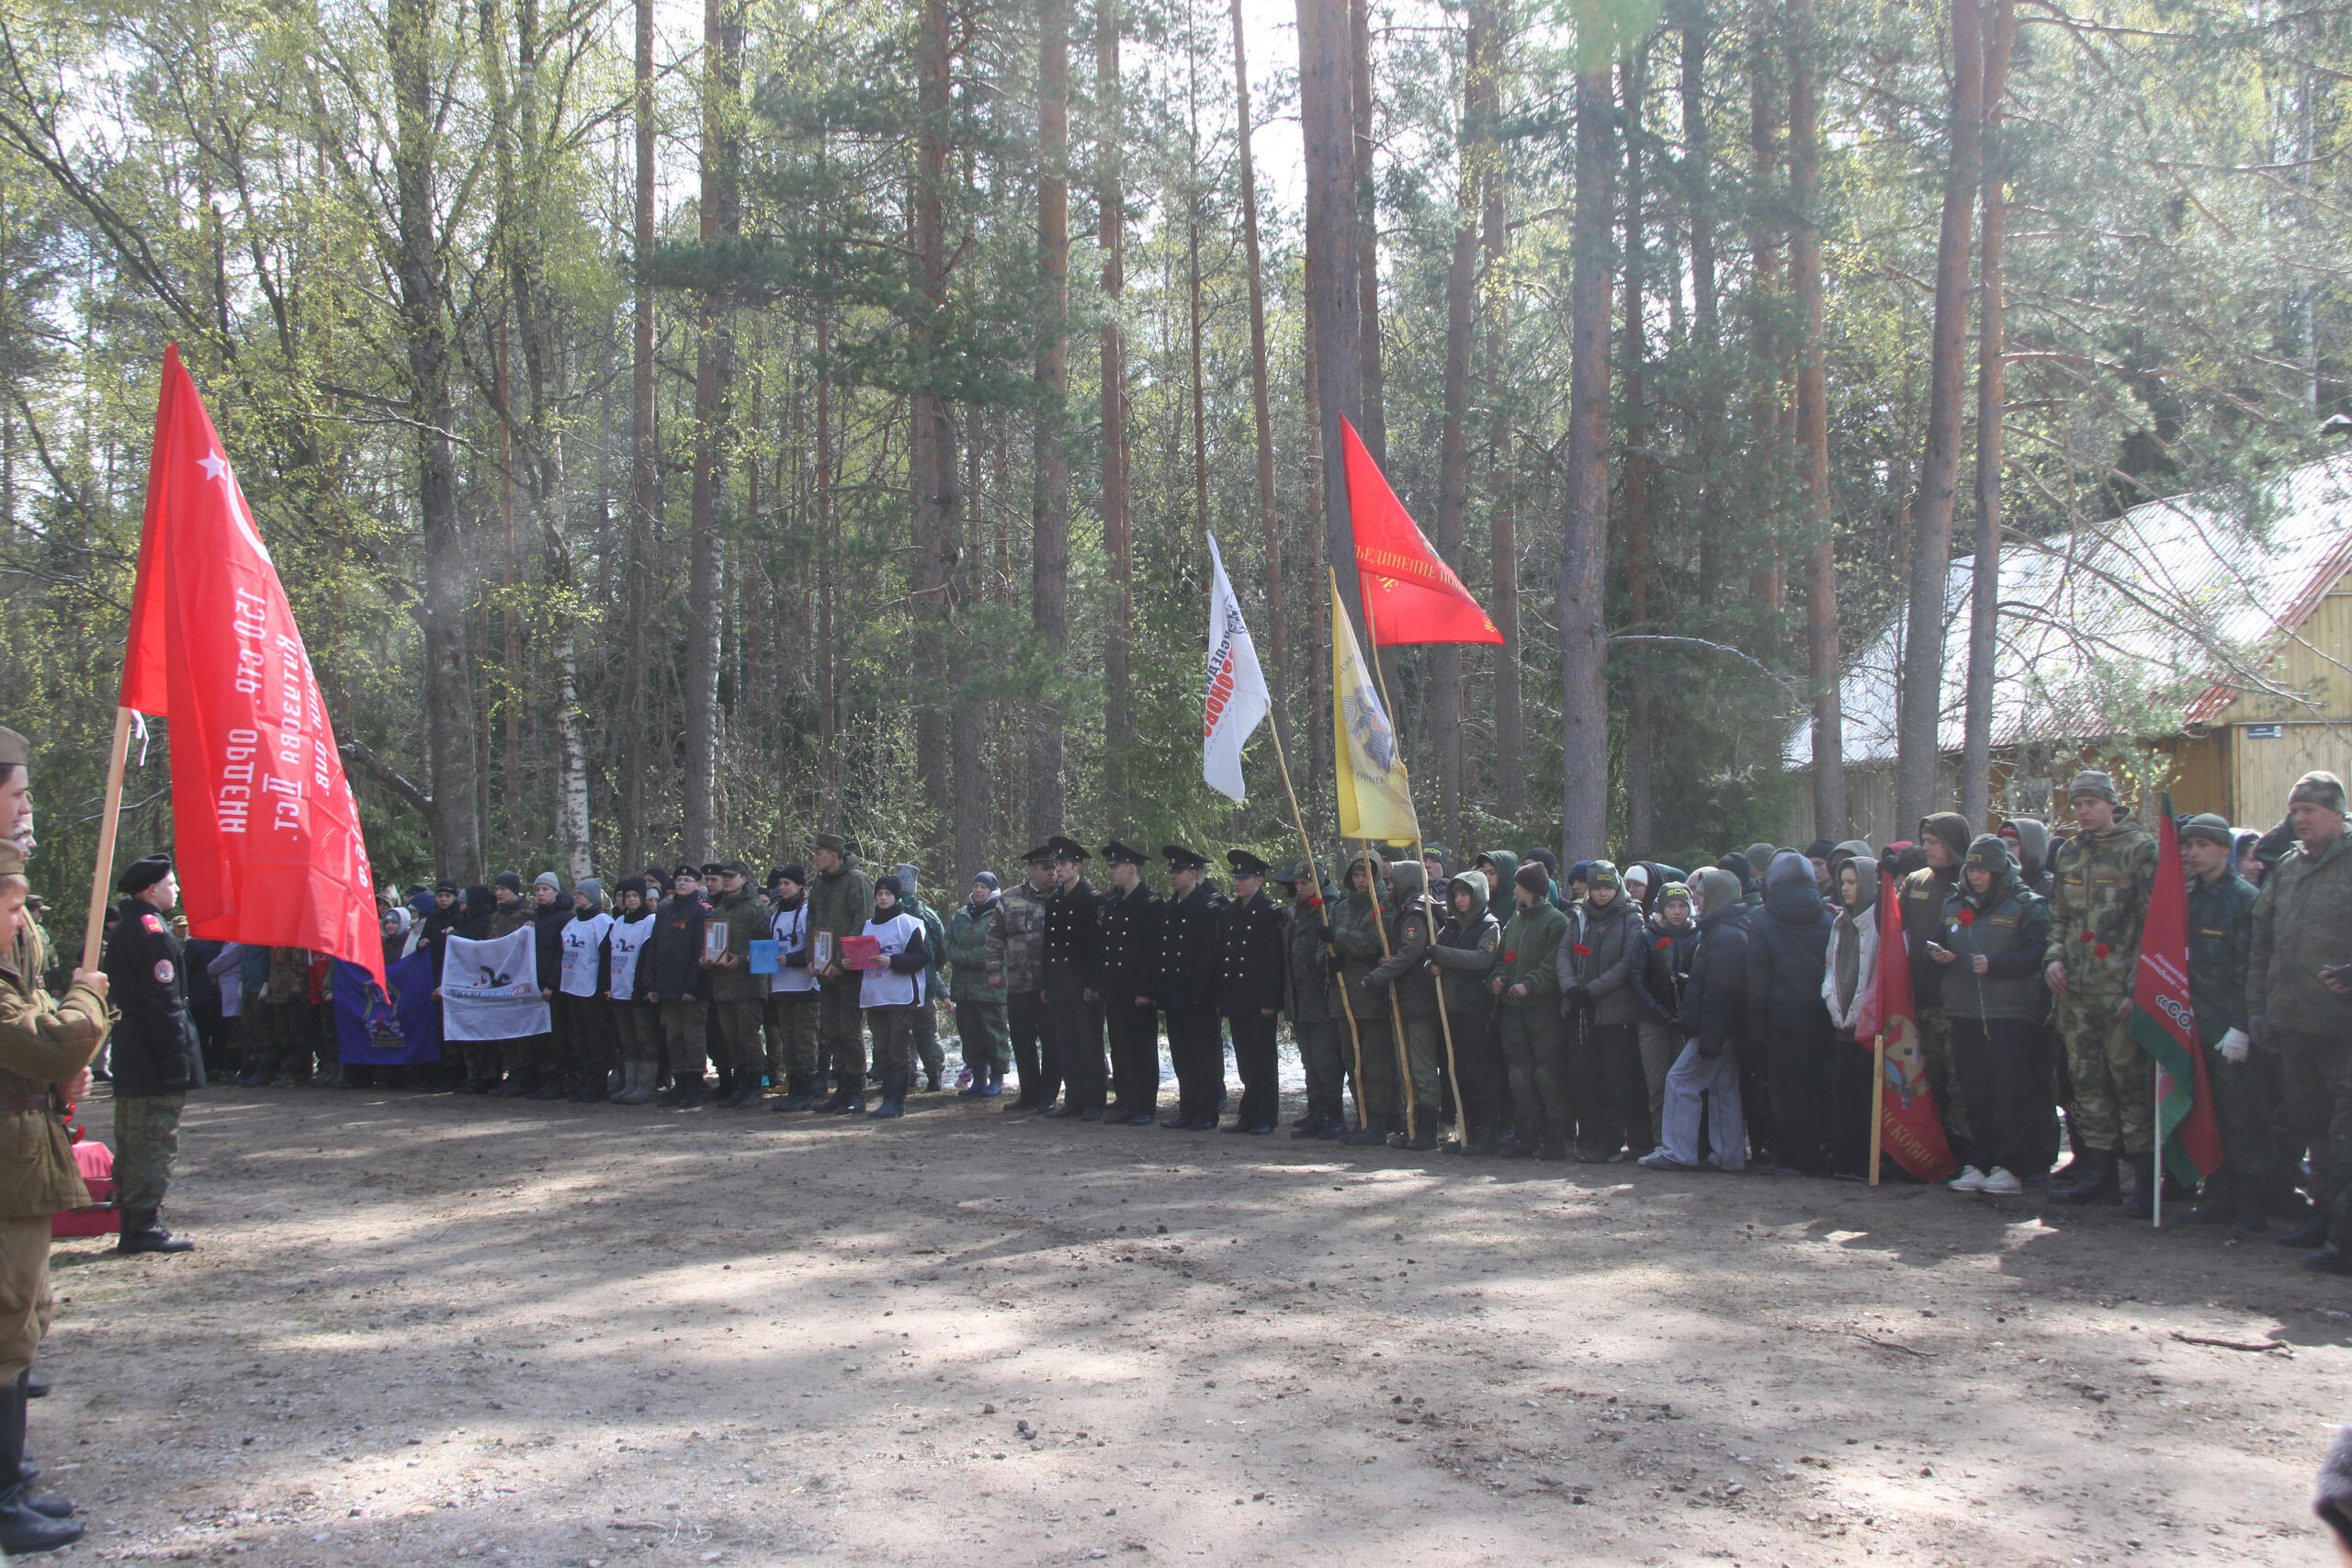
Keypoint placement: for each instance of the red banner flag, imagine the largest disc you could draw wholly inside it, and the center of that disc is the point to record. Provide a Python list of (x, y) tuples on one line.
[(1910, 1128), (268, 841), (1410, 595), (2164, 1020)]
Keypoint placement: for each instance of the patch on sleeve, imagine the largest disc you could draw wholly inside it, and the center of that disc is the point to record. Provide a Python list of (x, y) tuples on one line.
[(163, 971), (153, 923)]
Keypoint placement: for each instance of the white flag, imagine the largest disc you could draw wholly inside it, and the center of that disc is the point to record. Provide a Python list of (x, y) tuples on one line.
[(490, 991), (1237, 695)]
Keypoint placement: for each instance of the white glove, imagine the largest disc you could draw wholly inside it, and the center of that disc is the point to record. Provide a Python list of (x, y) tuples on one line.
[(2234, 1047)]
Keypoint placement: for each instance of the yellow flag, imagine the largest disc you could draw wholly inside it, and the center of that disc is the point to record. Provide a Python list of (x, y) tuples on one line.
[(1375, 802)]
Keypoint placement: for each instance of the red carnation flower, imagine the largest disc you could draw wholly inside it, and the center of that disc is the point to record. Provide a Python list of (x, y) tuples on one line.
[(1663, 944), (2090, 936), (1968, 916), (1582, 950), (2100, 950), (1511, 957)]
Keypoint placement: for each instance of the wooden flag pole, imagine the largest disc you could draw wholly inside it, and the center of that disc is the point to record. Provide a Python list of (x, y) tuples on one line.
[(102, 873), (1395, 1013), (1298, 820), (2156, 1097), (1878, 1100)]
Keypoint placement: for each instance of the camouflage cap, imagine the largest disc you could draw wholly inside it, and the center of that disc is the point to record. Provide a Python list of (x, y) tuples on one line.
[(2318, 787), (2095, 784), (16, 752)]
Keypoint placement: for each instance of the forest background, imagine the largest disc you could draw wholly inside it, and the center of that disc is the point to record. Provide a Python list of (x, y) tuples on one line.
[(684, 432)]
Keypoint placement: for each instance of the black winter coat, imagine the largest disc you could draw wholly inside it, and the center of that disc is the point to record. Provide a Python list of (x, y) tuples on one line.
[(675, 952), (1072, 957), (1660, 979), (154, 1045), (1787, 943), (1714, 996), (1129, 924), (546, 942)]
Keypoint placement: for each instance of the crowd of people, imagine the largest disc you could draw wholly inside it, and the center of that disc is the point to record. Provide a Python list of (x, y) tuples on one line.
[(1688, 1020)]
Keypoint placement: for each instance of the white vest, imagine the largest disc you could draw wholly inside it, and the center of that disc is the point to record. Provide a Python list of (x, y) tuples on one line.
[(887, 988), (582, 941), (628, 939), (791, 937)]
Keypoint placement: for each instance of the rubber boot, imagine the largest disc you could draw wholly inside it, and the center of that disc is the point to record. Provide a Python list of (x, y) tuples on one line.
[(1309, 1125), (514, 1088), (1373, 1134), (26, 1523), (2141, 1204), (599, 1086), (2218, 1204), (894, 1095), (996, 1081), (1335, 1122), (142, 1232), (638, 1087), (2095, 1179)]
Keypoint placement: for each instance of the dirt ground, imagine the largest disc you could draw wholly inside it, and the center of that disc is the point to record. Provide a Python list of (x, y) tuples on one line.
[(422, 1329)]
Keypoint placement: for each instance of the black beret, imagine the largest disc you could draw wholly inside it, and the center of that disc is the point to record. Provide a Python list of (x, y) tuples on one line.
[(144, 873)]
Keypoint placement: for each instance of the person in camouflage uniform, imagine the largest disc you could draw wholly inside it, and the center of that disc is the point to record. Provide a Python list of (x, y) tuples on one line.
[(740, 996), (978, 999), (2299, 1003), (1016, 966), (935, 936), (1412, 929), (2099, 904), (1354, 937), (1318, 1031), (2221, 944), (840, 900)]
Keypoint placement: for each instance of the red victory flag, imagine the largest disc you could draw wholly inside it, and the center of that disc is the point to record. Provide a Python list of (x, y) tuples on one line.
[(1410, 595), (2164, 1020), (1909, 1126), (268, 841)]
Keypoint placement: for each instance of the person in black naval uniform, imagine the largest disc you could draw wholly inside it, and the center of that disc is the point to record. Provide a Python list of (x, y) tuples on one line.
[(156, 1061), (1250, 988), (1073, 962), (1187, 991), (1130, 924)]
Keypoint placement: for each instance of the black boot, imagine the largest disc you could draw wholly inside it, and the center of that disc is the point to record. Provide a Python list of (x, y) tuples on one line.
[(2141, 1204), (2311, 1232), (1371, 1135), (1308, 1126), (848, 1100), (2218, 1204), (2095, 1179), (142, 1232), (894, 1095), (26, 1523)]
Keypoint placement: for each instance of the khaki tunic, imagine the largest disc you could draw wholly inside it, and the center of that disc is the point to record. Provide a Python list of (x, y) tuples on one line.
[(42, 1042)]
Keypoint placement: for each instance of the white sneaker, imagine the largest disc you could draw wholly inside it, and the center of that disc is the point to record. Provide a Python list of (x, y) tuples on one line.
[(2000, 1184), (1969, 1179)]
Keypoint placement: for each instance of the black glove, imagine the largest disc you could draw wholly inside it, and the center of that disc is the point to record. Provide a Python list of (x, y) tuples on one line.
[(1581, 994), (1329, 937), (795, 960), (1337, 964), (906, 964)]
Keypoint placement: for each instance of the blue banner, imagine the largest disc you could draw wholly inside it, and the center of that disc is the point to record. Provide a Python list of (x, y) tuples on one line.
[(394, 1030)]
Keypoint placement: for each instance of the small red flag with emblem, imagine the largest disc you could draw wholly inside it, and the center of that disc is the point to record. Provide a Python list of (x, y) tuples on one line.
[(1410, 595), (267, 844), (2164, 1020)]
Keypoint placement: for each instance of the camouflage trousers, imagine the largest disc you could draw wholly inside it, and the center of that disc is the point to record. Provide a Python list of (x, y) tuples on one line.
[(147, 1140), (639, 1028), (2318, 1078), (739, 1048), (894, 1038), (2114, 1084), (1935, 1048), (841, 1030), (792, 1029)]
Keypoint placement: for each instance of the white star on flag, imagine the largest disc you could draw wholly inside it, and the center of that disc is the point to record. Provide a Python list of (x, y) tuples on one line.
[(215, 466)]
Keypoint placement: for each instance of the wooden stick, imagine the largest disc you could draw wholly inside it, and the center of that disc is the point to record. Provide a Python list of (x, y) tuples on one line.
[(1298, 820), (102, 873), (2155, 1098), (1878, 1099)]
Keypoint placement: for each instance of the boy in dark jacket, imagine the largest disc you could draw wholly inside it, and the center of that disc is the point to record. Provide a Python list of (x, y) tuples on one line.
[(1672, 934), (1468, 944), (1527, 984), (1713, 1012), (1990, 951), (677, 986), (1603, 1012), (1788, 948)]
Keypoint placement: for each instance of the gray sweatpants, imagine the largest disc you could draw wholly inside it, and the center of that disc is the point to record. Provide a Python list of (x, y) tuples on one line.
[(1692, 1080)]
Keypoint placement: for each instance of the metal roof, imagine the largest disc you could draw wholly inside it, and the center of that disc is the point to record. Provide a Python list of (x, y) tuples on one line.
[(2138, 624)]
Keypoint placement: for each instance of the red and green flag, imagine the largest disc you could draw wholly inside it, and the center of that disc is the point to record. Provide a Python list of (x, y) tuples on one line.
[(1911, 1130), (2163, 1021)]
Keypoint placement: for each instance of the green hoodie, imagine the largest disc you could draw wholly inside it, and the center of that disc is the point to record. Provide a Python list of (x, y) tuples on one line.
[(1356, 937), (1531, 941)]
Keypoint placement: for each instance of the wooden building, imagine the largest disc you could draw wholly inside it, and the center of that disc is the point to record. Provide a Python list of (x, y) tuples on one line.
[(2201, 644)]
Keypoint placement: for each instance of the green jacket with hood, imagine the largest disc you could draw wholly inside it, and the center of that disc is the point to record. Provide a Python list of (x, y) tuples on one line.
[(2033, 854), (1307, 968), (2099, 904), (1356, 938), (841, 901), (2009, 926), (1531, 942), (1412, 927)]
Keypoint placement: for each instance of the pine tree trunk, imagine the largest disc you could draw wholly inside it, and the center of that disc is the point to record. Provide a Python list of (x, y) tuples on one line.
[(1454, 438), (1641, 720), (714, 388), (1049, 504), (1324, 97), (1918, 788), (1821, 640), (1765, 347), (1698, 200), (1117, 531), (1985, 586), (828, 767), (1510, 714), (931, 450), (1261, 402), (1371, 416), (1318, 658), (645, 470), (451, 729), (1579, 598)]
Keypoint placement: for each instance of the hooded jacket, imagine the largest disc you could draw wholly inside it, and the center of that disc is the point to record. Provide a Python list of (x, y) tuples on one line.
[(839, 901), (1467, 947), (1608, 943), (675, 953), (1356, 939), (1850, 968), (1922, 894), (1499, 897), (1658, 981), (1531, 939), (967, 949), (1788, 946), (1307, 961), (2009, 926), (1715, 996), (2033, 854), (1412, 927)]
